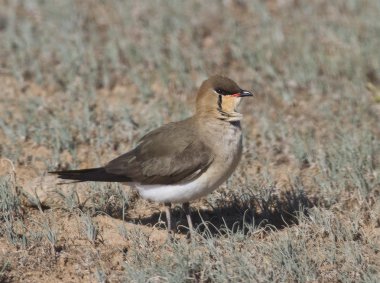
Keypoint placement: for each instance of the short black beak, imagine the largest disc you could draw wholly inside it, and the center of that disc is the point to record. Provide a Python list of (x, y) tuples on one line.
[(245, 93)]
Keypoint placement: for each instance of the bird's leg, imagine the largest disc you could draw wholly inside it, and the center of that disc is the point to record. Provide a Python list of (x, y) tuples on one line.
[(170, 229), (186, 208)]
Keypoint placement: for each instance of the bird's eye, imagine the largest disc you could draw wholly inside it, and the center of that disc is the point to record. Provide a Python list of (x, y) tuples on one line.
[(219, 91)]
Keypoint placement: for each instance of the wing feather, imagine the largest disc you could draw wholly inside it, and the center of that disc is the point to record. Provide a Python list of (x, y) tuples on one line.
[(170, 154)]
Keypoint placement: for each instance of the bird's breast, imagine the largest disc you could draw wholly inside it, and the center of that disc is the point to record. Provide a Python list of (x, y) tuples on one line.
[(228, 149), (225, 141)]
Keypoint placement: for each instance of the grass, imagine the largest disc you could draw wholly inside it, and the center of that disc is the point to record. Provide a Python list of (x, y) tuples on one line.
[(81, 82)]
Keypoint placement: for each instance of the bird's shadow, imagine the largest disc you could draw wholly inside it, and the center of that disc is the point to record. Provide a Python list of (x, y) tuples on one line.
[(237, 215)]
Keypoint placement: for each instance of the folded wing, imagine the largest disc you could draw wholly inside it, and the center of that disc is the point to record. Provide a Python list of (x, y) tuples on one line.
[(159, 160)]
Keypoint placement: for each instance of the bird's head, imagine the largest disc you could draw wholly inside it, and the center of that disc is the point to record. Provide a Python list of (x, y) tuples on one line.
[(219, 96)]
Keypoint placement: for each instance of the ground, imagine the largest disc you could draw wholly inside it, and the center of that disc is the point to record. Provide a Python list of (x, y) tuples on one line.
[(82, 81)]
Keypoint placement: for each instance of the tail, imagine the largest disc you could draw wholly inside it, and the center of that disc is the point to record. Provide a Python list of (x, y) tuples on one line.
[(93, 174)]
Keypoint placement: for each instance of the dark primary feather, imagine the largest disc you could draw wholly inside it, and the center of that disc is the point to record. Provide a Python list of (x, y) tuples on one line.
[(156, 160), (92, 174)]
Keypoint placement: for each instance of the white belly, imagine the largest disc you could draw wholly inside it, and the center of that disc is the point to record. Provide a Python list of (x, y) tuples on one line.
[(180, 193)]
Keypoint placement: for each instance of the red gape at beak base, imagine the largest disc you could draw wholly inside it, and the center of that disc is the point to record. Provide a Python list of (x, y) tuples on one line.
[(242, 93)]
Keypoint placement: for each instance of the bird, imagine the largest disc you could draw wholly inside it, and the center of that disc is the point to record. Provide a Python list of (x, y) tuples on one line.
[(185, 160)]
